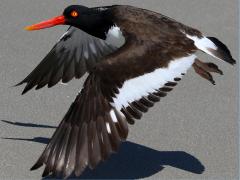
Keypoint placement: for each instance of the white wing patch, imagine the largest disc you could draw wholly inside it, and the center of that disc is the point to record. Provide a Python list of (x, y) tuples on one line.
[(134, 89), (108, 128), (113, 116), (115, 37)]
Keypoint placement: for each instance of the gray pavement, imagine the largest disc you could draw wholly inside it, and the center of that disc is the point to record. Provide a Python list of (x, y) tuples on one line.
[(191, 134)]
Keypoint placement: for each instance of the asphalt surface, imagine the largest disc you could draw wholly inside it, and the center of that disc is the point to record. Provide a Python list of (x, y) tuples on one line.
[(191, 134)]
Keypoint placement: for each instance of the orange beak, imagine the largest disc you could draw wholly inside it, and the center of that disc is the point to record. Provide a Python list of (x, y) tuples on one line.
[(59, 20)]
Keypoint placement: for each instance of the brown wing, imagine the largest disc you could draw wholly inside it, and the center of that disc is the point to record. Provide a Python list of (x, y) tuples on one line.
[(90, 131), (74, 54), (94, 126)]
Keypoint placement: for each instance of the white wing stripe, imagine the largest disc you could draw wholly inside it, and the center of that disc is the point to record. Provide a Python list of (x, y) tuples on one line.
[(134, 89)]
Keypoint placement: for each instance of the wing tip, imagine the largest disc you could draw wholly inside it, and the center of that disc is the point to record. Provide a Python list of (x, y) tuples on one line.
[(28, 87), (36, 166), (20, 83)]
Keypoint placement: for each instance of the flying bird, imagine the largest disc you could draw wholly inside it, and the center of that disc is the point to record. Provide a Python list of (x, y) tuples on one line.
[(133, 57)]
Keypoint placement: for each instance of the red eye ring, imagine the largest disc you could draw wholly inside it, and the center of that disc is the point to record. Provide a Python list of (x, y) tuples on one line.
[(74, 14)]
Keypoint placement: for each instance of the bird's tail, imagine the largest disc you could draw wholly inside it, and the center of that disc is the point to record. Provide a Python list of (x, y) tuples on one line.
[(90, 131), (213, 47)]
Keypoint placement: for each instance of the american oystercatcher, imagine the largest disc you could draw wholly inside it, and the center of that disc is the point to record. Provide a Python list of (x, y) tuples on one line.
[(134, 57)]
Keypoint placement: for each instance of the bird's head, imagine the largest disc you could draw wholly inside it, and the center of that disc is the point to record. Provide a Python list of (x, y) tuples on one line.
[(94, 21)]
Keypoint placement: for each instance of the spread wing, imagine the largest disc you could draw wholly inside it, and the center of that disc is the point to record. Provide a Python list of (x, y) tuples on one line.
[(90, 131), (96, 123), (74, 54), (113, 96)]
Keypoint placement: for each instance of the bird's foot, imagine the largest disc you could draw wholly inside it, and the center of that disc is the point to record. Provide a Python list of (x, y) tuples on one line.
[(204, 70), (209, 67)]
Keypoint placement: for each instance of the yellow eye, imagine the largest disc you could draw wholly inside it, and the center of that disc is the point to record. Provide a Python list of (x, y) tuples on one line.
[(74, 14)]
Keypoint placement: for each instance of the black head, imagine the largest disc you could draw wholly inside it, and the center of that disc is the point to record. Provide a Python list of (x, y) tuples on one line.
[(95, 21), (75, 14)]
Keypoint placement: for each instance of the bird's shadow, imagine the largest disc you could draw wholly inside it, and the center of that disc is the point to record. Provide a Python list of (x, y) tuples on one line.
[(28, 124), (134, 161)]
